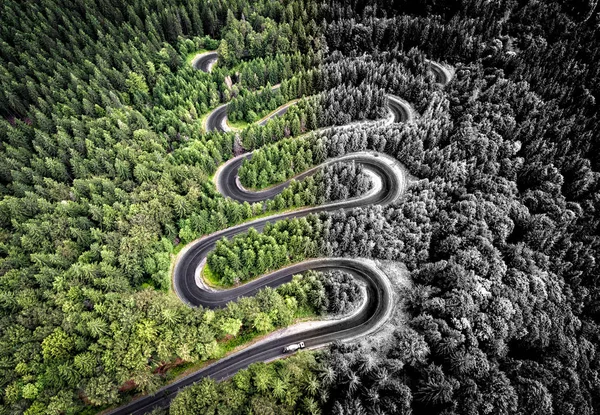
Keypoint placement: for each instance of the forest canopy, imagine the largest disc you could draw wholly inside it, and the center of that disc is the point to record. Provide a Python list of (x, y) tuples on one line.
[(106, 172)]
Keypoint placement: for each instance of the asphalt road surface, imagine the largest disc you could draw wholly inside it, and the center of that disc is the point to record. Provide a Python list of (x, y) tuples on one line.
[(392, 185), (205, 61), (278, 113), (217, 119), (401, 109), (442, 75)]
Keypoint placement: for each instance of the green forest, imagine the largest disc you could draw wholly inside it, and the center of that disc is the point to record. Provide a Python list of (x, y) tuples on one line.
[(109, 175)]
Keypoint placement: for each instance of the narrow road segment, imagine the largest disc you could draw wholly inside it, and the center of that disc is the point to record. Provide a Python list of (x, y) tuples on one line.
[(205, 61)]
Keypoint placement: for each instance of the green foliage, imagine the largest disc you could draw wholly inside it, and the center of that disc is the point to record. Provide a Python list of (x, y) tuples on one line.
[(275, 388), (105, 169), (136, 84), (304, 111), (30, 391), (253, 254), (250, 106), (231, 326), (277, 163)]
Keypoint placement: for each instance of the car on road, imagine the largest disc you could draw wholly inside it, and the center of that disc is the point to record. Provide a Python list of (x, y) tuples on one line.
[(293, 347)]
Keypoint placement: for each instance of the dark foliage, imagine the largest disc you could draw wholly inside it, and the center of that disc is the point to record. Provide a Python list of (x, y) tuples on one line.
[(500, 231)]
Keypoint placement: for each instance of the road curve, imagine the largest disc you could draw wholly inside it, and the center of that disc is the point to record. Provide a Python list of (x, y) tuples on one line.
[(376, 308), (442, 75), (378, 302), (217, 120), (401, 110), (205, 61)]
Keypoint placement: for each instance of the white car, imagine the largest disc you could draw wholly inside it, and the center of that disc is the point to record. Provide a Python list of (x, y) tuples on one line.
[(293, 347)]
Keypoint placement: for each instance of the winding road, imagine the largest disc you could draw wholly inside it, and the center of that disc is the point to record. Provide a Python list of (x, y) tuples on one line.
[(374, 311), (392, 183), (217, 119)]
